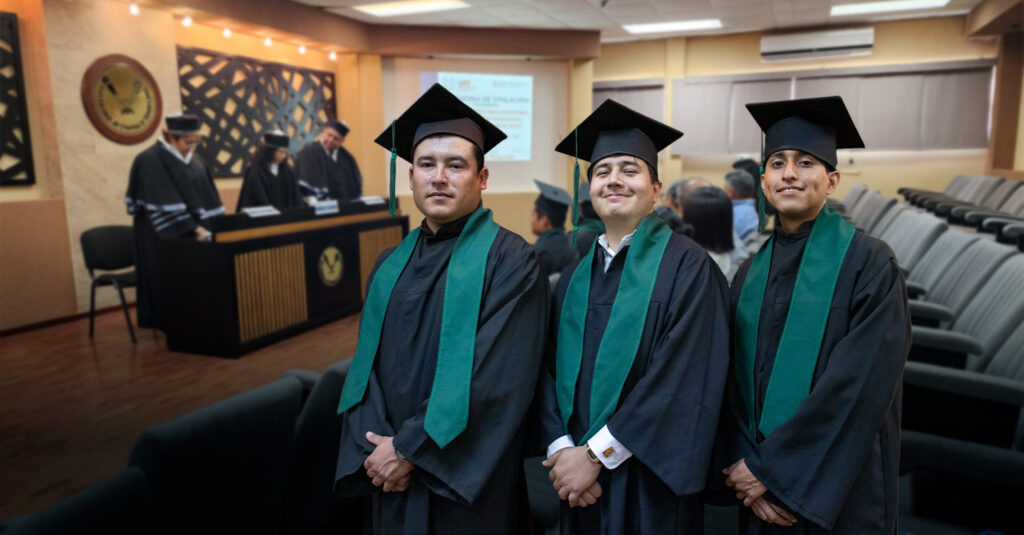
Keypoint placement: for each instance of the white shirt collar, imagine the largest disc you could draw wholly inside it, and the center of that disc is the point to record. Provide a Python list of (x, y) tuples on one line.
[(602, 240), (167, 146), (332, 153), (274, 168)]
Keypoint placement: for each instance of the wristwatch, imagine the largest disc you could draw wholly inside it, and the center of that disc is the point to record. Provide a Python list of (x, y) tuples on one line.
[(592, 456)]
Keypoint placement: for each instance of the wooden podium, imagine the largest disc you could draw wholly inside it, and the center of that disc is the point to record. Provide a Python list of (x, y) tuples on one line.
[(265, 279)]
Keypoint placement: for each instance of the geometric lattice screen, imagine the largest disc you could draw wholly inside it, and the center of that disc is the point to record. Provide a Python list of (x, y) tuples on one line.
[(239, 98), (15, 146)]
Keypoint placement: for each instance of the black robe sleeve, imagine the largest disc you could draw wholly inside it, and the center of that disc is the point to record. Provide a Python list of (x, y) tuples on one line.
[(153, 194), (253, 191), (811, 461), (308, 173)]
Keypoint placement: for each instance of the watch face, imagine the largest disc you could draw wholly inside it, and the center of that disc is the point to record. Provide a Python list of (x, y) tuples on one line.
[(121, 99)]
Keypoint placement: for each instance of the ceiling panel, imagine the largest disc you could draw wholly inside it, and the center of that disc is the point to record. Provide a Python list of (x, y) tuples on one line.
[(736, 15)]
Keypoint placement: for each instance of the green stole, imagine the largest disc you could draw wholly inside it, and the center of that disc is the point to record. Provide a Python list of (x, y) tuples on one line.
[(797, 356), (448, 407), (621, 337)]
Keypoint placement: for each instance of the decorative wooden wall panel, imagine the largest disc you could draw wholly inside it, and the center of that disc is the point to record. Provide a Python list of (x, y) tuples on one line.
[(15, 146), (271, 287), (239, 98)]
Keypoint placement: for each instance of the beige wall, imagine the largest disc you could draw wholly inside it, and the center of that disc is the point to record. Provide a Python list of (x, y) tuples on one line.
[(897, 42)]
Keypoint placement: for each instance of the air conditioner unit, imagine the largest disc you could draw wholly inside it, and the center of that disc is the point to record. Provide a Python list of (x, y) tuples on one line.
[(815, 45)]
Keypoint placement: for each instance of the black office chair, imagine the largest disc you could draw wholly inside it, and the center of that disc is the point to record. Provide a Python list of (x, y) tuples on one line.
[(109, 248)]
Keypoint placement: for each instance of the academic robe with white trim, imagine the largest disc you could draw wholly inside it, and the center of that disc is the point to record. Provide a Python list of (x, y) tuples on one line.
[(668, 410), (475, 484), (260, 187), (835, 462), (322, 177), (167, 199)]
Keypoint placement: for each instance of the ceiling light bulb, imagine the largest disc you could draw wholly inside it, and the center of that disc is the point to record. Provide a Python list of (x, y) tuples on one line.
[(187, 21), (227, 33), (333, 56), (133, 8), (267, 42), (302, 49)]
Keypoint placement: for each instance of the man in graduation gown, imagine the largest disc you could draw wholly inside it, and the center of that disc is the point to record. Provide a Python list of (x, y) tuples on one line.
[(325, 170), (811, 434), (170, 194), (638, 351), (548, 223), (269, 180), (450, 345)]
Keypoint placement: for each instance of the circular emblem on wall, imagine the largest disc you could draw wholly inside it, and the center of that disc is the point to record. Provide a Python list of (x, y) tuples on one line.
[(330, 266), (121, 99)]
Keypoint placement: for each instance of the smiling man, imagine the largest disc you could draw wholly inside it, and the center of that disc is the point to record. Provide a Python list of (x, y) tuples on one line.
[(450, 344), (811, 437), (638, 352)]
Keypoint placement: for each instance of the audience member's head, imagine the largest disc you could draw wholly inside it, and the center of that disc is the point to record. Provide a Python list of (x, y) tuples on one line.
[(754, 169), (681, 189), (673, 220), (709, 211), (739, 185)]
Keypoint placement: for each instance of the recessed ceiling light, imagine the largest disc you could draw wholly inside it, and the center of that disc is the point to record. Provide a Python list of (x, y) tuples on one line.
[(678, 26), (884, 7), (334, 55), (302, 49), (227, 33), (267, 42), (186, 22), (133, 8), (409, 7)]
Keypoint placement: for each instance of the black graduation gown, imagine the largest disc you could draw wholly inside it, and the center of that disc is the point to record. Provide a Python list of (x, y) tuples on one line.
[(587, 232), (835, 462), (260, 187), (322, 177), (476, 483), (553, 251), (669, 407), (168, 199)]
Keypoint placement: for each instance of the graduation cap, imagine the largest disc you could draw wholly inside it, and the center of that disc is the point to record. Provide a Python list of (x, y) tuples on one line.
[(436, 112), (552, 202), (182, 123), (276, 139), (338, 126), (817, 126), (615, 129)]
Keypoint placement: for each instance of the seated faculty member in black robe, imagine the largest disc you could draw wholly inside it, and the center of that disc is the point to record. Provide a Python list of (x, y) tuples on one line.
[(811, 432), (450, 344), (325, 170), (170, 193), (547, 222), (638, 349), (268, 179)]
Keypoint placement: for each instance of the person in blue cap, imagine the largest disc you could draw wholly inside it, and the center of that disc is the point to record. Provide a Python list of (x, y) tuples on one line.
[(811, 429)]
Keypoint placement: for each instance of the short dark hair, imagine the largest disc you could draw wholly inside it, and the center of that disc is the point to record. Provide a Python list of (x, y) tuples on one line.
[(741, 183), (652, 169), (554, 213), (478, 154), (264, 153), (587, 210), (709, 211)]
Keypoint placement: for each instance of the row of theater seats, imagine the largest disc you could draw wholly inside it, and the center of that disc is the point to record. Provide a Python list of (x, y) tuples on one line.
[(964, 381), (259, 463)]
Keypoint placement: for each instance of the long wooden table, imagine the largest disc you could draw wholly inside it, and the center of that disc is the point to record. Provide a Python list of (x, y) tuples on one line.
[(268, 278)]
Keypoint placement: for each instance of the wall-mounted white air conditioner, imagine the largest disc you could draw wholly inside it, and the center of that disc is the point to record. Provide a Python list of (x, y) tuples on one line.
[(814, 45)]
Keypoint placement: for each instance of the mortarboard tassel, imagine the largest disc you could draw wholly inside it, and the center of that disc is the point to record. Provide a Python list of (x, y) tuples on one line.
[(576, 189), (762, 219), (391, 188)]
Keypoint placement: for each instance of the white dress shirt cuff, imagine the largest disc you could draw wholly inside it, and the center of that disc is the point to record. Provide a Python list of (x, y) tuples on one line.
[(609, 451), (560, 443)]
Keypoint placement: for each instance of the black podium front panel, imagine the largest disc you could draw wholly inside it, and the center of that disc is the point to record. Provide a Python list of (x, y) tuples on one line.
[(265, 279)]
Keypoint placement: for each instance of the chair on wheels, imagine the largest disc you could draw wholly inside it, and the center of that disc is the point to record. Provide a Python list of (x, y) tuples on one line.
[(109, 248)]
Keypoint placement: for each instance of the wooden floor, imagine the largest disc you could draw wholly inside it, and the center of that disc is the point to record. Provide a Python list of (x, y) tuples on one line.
[(71, 408)]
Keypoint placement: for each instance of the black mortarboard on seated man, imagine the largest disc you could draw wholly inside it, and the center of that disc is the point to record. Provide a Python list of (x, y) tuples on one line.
[(552, 202), (817, 126), (276, 138), (338, 126), (437, 111), (182, 123), (615, 129)]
